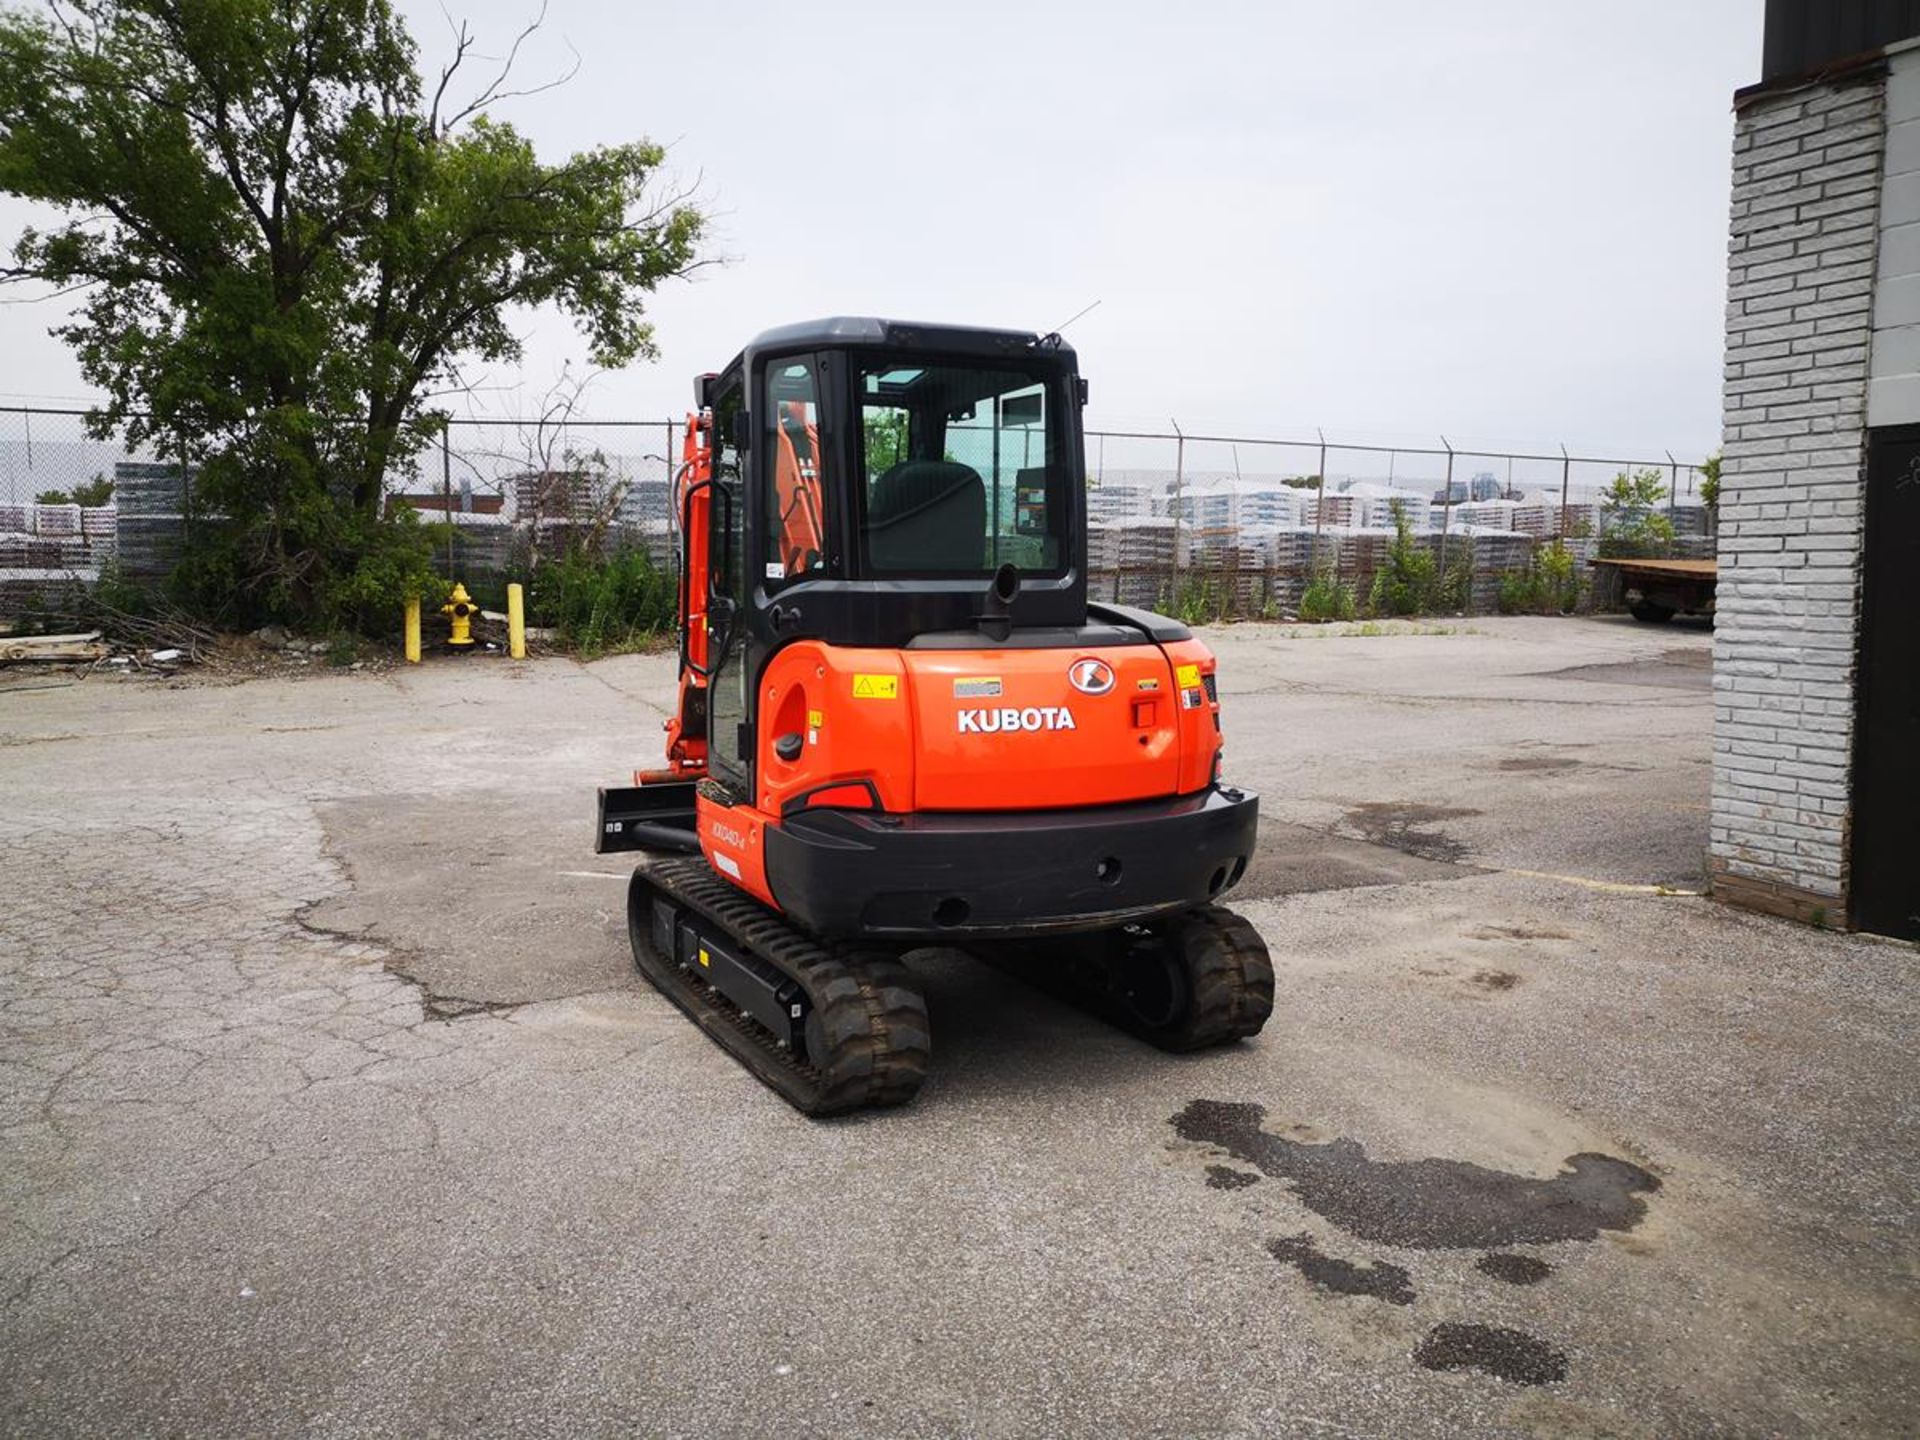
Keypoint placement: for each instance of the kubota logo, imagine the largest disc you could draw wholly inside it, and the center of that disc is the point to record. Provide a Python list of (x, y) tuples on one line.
[(726, 835), (1091, 677), (1034, 717)]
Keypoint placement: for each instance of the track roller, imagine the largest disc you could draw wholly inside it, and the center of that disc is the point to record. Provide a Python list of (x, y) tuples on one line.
[(1194, 979), (831, 1029)]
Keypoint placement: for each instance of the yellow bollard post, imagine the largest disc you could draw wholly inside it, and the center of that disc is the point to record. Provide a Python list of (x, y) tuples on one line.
[(413, 631), (516, 622)]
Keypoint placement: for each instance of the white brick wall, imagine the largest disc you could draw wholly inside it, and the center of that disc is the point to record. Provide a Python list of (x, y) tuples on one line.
[(1893, 391), (1801, 266)]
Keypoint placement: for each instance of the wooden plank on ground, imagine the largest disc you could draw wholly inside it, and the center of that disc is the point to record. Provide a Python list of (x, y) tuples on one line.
[(52, 647)]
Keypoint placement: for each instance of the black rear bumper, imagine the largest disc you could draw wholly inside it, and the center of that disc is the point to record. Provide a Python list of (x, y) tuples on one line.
[(952, 875)]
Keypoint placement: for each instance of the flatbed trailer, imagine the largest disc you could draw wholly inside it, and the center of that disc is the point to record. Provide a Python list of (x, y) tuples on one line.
[(1661, 589)]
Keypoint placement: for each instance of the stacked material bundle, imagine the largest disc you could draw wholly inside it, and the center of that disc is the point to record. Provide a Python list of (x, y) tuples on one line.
[(100, 528), (1148, 591), (1335, 511), (56, 522), (1537, 518), (1103, 544), (15, 519), (151, 501), (1485, 514), (1689, 518)]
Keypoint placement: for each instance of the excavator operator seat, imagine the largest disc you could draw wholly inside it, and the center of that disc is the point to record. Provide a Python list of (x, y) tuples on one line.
[(928, 515)]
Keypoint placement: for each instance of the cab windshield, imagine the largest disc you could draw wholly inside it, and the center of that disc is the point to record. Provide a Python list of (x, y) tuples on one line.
[(961, 469)]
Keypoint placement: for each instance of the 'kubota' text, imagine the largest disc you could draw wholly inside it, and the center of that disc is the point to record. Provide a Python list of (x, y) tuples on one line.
[(1034, 717)]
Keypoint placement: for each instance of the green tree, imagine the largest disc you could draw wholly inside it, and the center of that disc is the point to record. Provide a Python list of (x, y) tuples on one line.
[(287, 241), (1405, 584), (886, 438), (1710, 481), (1630, 523)]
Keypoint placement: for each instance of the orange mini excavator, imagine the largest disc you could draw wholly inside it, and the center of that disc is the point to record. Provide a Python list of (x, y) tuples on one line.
[(901, 723)]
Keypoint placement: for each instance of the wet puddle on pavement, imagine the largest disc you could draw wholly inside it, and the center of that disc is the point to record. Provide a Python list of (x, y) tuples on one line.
[(1511, 1355), (1430, 1204), (1405, 826)]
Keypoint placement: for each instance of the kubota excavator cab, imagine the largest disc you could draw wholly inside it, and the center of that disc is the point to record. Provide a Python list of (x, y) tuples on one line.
[(903, 722)]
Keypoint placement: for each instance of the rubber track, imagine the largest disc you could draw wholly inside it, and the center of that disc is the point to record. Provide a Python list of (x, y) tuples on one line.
[(1231, 980), (1227, 971), (867, 1014)]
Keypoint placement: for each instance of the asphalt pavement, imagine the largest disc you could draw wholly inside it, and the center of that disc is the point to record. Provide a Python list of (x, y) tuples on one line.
[(330, 1103)]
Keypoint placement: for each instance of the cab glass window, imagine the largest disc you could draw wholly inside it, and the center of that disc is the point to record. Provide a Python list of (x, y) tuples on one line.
[(796, 471), (962, 469)]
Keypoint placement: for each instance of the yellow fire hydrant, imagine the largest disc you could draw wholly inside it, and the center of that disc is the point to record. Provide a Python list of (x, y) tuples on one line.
[(460, 611)]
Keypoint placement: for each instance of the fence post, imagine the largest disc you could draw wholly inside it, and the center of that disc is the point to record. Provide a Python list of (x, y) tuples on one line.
[(1566, 475), (186, 501), (446, 488), (676, 542), (1673, 484), (1446, 524), (1319, 505), (1179, 488)]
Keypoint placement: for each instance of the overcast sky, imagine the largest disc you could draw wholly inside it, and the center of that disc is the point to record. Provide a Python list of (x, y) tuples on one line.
[(1504, 220)]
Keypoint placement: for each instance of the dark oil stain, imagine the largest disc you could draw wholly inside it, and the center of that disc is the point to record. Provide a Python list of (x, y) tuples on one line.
[(1510, 1355), (1428, 1204), (1518, 932), (1379, 1279), (1495, 979), (1526, 763), (1225, 1177), (1514, 1269), (1397, 825)]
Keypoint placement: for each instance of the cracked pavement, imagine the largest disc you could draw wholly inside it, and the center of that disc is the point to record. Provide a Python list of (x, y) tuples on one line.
[(330, 1103)]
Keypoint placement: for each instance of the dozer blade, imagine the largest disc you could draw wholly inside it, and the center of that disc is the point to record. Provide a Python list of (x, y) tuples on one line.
[(829, 1029), (1195, 979)]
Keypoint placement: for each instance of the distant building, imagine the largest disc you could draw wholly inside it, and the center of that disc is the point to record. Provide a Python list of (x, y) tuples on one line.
[(439, 503), (571, 495), (647, 501)]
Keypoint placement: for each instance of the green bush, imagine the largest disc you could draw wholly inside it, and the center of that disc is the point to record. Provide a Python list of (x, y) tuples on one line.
[(1328, 597), (1550, 585), (1405, 584), (1456, 586), (598, 605), (363, 570), (1196, 602)]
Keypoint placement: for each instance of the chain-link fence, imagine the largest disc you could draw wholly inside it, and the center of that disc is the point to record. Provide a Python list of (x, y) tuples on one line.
[(1205, 524), (1244, 525)]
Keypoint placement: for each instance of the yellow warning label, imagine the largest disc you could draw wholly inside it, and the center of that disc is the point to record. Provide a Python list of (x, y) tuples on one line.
[(704, 960), (876, 687), (1187, 677), (815, 719)]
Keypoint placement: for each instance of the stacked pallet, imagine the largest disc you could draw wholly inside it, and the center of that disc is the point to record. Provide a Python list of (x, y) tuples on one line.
[(57, 522), (1538, 519), (152, 502), (100, 528)]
